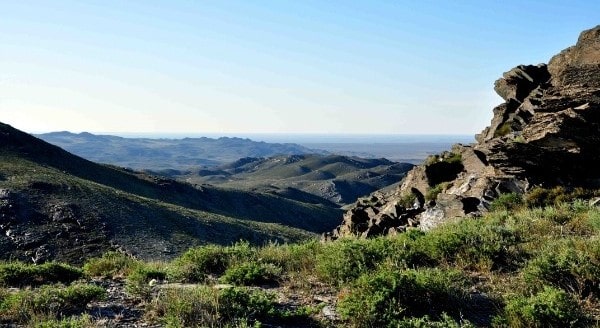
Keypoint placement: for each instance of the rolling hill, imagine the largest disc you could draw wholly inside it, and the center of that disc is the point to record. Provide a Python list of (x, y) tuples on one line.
[(55, 205), (334, 179)]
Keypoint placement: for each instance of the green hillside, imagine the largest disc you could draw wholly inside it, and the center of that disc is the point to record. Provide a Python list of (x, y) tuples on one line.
[(55, 205)]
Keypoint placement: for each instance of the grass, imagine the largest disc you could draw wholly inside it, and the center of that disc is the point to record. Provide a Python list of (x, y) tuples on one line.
[(203, 306), (252, 274), (387, 296), (111, 264), (551, 307), (18, 274), (518, 266), (25, 305), (503, 130)]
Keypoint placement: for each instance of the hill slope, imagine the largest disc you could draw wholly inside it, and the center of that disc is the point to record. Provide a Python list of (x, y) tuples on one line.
[(56, 205), (330, 178)]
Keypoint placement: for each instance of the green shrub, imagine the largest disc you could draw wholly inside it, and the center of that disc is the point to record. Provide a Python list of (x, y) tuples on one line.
[(388, 296), (252, 274), (138, 280), (236, 303), (344, 260), (548, 308), (592, 219), (49, 300), (571, 265), (111, 264), (292, 257), (203, 306), (453, 158), (405, 250), (473, 244), (407, 200), (17, 274), (540, 197), (503, 130), (196, 264), (507, 202), (434, 191)]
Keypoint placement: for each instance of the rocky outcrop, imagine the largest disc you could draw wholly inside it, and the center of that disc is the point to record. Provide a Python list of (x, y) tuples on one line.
[(547, 133)]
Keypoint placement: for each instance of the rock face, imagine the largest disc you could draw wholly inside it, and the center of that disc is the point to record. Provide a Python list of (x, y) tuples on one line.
[(546, 133)]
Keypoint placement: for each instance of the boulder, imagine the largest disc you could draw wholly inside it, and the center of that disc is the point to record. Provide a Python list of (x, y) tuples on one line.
[(547, 132)]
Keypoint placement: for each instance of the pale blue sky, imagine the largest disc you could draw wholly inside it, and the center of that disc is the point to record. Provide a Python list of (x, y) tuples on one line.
[(402, 67)]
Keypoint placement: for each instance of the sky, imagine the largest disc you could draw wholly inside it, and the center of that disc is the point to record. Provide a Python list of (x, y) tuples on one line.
[(350, 67)]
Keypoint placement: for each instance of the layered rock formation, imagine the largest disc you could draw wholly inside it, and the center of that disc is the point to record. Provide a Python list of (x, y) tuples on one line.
[(546, 133)]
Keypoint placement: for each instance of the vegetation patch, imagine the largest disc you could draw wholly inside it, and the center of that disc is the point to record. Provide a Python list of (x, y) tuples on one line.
[(503, 130), (549, 308), (572, 265), (514, 267), (507, 202), (111, 264), (18, 274), (347, 259), (196, 264), (204, 306), (384, 298), (47, 301), (434, 191), (252, 274)]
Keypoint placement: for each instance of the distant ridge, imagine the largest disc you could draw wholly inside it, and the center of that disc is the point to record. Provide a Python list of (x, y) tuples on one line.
[(164, 153)]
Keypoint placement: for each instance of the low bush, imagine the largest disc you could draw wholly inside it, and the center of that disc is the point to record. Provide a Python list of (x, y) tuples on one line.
[(503, 130), (474, 244), (434, 191), (407, 200), (252, 274), (48, 300), (111, 264), (196, 264), (203, 306), (292, 258), (18, 274), (445, 321), (346, 259), (507, 202), (573, 265), (541, 197), (406, 250), (138, 281), (385, 297), (549, 308)]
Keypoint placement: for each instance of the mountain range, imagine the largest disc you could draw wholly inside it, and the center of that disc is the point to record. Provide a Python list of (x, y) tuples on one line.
[(164, 154)]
